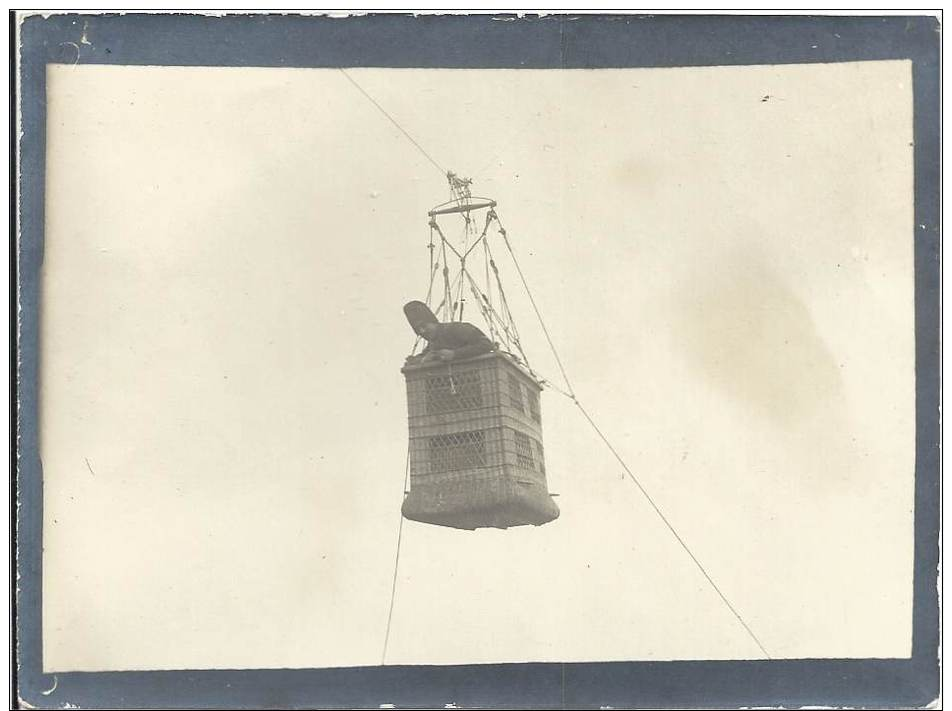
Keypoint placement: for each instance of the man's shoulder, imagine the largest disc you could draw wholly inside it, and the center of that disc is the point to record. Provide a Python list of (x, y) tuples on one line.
[(460, 332), (467, 328)]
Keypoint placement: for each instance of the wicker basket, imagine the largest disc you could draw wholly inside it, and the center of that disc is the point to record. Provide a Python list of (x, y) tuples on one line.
[(476, 457)]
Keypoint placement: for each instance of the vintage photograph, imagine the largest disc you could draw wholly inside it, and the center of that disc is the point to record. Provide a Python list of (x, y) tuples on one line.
[(241, 264), (362, 366)]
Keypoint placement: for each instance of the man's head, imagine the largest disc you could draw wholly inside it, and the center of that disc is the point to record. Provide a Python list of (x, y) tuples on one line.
[(421, 318)]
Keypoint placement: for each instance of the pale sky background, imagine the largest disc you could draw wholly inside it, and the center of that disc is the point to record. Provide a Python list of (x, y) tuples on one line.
[(728, 279)]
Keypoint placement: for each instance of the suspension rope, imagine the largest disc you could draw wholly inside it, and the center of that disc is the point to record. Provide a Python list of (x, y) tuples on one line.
[(393, 121), (510, 323), (444, 303), (507, 325), (430, 247), (502, 292), (510, 340), (547, 382), (671, 528), (434, 265), (504, 307), (458, 279), (483, 310), (494, 334), (396, 565), (505, 237), (489, 312), (460, 299), (462, 263), (446, 275), (488, 296), (572, 396)]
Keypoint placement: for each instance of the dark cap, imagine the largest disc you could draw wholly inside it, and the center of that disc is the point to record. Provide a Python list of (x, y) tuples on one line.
[(419, 314)]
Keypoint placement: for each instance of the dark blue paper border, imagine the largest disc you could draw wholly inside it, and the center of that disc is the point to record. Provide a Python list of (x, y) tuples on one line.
[(482, 41)]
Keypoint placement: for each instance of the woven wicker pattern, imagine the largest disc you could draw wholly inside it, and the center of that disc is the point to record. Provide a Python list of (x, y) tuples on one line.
[(534, 412), (451, 393), (460, 450), (515, 393), (538, 448), (476, 456), (523, 450)]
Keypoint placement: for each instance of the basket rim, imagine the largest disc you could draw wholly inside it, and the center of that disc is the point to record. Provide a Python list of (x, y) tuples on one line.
[(494, 355)]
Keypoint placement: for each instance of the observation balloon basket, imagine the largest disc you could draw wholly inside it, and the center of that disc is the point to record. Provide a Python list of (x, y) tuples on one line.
[(476, 458)]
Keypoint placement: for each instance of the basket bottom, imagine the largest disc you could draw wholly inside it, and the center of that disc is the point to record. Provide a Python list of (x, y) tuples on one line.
[(487, 508)]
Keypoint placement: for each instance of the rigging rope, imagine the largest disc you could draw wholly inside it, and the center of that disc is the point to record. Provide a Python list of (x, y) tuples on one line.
[(430, 248), (509, 324), (434, 266), (505, 237), (444, 302), (670, 527), (447, 295), (571, 395), (396, 565), (488, 296), (393, 121), (488, 312)]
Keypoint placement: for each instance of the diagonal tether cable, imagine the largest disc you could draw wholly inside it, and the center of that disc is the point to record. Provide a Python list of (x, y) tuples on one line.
[(396, 566), (393, 121), (571, 395)]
